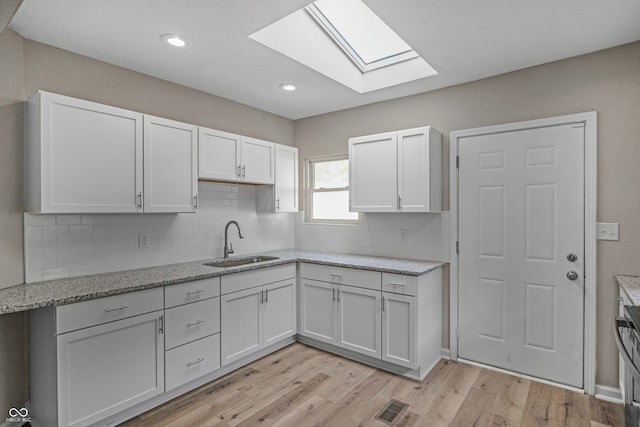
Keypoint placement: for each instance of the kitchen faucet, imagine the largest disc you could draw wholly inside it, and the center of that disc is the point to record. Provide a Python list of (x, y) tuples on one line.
[(228, 247)]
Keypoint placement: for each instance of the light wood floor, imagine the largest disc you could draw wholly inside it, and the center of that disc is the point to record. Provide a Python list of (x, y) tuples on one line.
[(301, 386)]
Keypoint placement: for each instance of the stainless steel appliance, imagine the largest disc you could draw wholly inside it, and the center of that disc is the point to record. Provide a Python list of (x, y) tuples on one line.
[(627, 334)]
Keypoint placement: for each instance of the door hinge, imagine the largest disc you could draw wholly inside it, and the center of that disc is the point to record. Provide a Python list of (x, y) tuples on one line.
[(457, 162), (457, 332), (457, 247)]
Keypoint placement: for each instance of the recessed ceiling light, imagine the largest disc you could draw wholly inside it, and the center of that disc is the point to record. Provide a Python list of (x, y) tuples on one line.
[(175, 40), (288, 87)]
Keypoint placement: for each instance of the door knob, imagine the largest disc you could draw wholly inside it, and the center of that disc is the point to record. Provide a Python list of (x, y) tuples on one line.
[(572, 257), (572, 275)]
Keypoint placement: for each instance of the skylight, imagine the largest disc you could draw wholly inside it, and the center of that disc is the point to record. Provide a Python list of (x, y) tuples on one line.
[(346, 41), (360, 33)]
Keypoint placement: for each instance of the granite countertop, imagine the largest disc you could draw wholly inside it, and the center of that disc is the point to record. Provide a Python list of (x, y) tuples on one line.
[(30, 296), (631, 286)]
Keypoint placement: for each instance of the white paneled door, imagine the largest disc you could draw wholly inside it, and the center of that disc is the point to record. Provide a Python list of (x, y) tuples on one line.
[(521, 259)]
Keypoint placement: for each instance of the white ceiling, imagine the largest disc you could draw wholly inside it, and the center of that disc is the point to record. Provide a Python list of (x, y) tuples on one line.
[(464, 40)]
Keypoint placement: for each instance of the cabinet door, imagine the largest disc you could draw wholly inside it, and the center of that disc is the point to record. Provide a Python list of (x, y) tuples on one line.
[(373, 173), (279, 311), (413, 170), (170, 165), (286, 183), (107, 368), (90, 156), (419, 170), (218, 155), (257, 161), (319, 312), (399, 329), (240, 327), (359, 320)]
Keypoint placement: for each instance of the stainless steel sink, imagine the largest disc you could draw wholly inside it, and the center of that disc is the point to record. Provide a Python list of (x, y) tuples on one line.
[(239, 261)]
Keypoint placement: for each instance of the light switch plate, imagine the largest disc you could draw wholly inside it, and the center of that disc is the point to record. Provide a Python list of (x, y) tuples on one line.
[(607, 231)]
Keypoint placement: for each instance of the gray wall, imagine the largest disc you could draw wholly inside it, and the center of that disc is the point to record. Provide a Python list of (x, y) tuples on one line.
[(14, 378), (606, 81), (27, 66)]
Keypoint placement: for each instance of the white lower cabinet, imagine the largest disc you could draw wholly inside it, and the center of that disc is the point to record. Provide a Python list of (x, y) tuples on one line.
[(191, 361), (88, 374), (399, 329), (319, 311), (110, 367), (345, 316), (257, 309), (391, 317)]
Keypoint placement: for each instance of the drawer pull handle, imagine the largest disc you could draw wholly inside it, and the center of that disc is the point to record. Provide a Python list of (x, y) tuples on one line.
[(196, 323), (395, 285), (337, 277), (198, 360), (110, 309), (194, 292)]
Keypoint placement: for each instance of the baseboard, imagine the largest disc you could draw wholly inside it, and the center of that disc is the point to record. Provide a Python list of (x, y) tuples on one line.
[(445, 353), (608, 393)]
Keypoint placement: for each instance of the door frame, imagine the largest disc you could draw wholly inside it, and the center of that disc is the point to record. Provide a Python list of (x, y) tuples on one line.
[(590, 204)]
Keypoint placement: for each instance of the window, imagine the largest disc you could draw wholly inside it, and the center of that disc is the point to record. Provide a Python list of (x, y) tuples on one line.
[(327, 191)]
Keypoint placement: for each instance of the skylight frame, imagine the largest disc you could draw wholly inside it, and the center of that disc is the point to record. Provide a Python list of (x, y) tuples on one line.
[(330, 29)]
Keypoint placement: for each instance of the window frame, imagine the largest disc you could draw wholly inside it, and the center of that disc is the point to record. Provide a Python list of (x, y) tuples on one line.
[(309, 190)]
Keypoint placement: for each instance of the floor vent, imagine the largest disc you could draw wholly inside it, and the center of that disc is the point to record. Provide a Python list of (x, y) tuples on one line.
[(390, 414)]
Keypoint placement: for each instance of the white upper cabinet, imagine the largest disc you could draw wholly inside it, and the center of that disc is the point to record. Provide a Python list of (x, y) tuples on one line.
[(170, 165), (218, 155), (257, 161), (85, 157), (82, 156), (396, 171), (225, 156), (283, 195)]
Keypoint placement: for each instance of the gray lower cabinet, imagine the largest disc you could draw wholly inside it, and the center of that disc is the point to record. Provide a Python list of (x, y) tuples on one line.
[(93, 359)]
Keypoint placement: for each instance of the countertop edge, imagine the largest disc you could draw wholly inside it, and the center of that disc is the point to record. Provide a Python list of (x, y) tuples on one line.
[(30, 296)]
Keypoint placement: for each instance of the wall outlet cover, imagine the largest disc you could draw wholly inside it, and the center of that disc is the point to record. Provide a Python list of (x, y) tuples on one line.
[(144, 240), (607, 231)]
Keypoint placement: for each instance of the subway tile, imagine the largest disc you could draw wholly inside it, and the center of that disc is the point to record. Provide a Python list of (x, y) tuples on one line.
[(68, 219), (55, 230), (42, 242), (56, 273), (92, 219), (33, 231), (42, 220), (84, 228), (42, 263)]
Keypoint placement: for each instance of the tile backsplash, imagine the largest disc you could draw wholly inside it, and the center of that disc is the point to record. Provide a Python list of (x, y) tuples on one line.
[(59, 246)]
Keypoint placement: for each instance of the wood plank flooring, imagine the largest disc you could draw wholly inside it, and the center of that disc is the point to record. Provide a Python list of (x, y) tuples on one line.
[(302, 386)]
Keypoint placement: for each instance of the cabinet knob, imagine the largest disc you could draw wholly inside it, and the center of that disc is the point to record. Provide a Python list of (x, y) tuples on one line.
[(572, 275)]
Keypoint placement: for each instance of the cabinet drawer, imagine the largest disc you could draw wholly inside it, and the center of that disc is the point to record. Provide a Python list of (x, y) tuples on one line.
[(185, 293), (343, 276), (102, 310), (250, 279), (191, 322), (400, 284), (192, 361)]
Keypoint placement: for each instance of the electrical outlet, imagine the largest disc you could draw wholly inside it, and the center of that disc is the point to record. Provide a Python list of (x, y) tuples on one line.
[(144, 240), (404, 234), (607, 231)]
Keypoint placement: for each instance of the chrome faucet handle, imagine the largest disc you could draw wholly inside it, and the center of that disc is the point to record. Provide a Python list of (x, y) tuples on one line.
[(230, 248)]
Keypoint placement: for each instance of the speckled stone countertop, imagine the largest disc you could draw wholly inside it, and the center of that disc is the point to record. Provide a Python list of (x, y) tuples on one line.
[(631, 286), (29, 296)]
